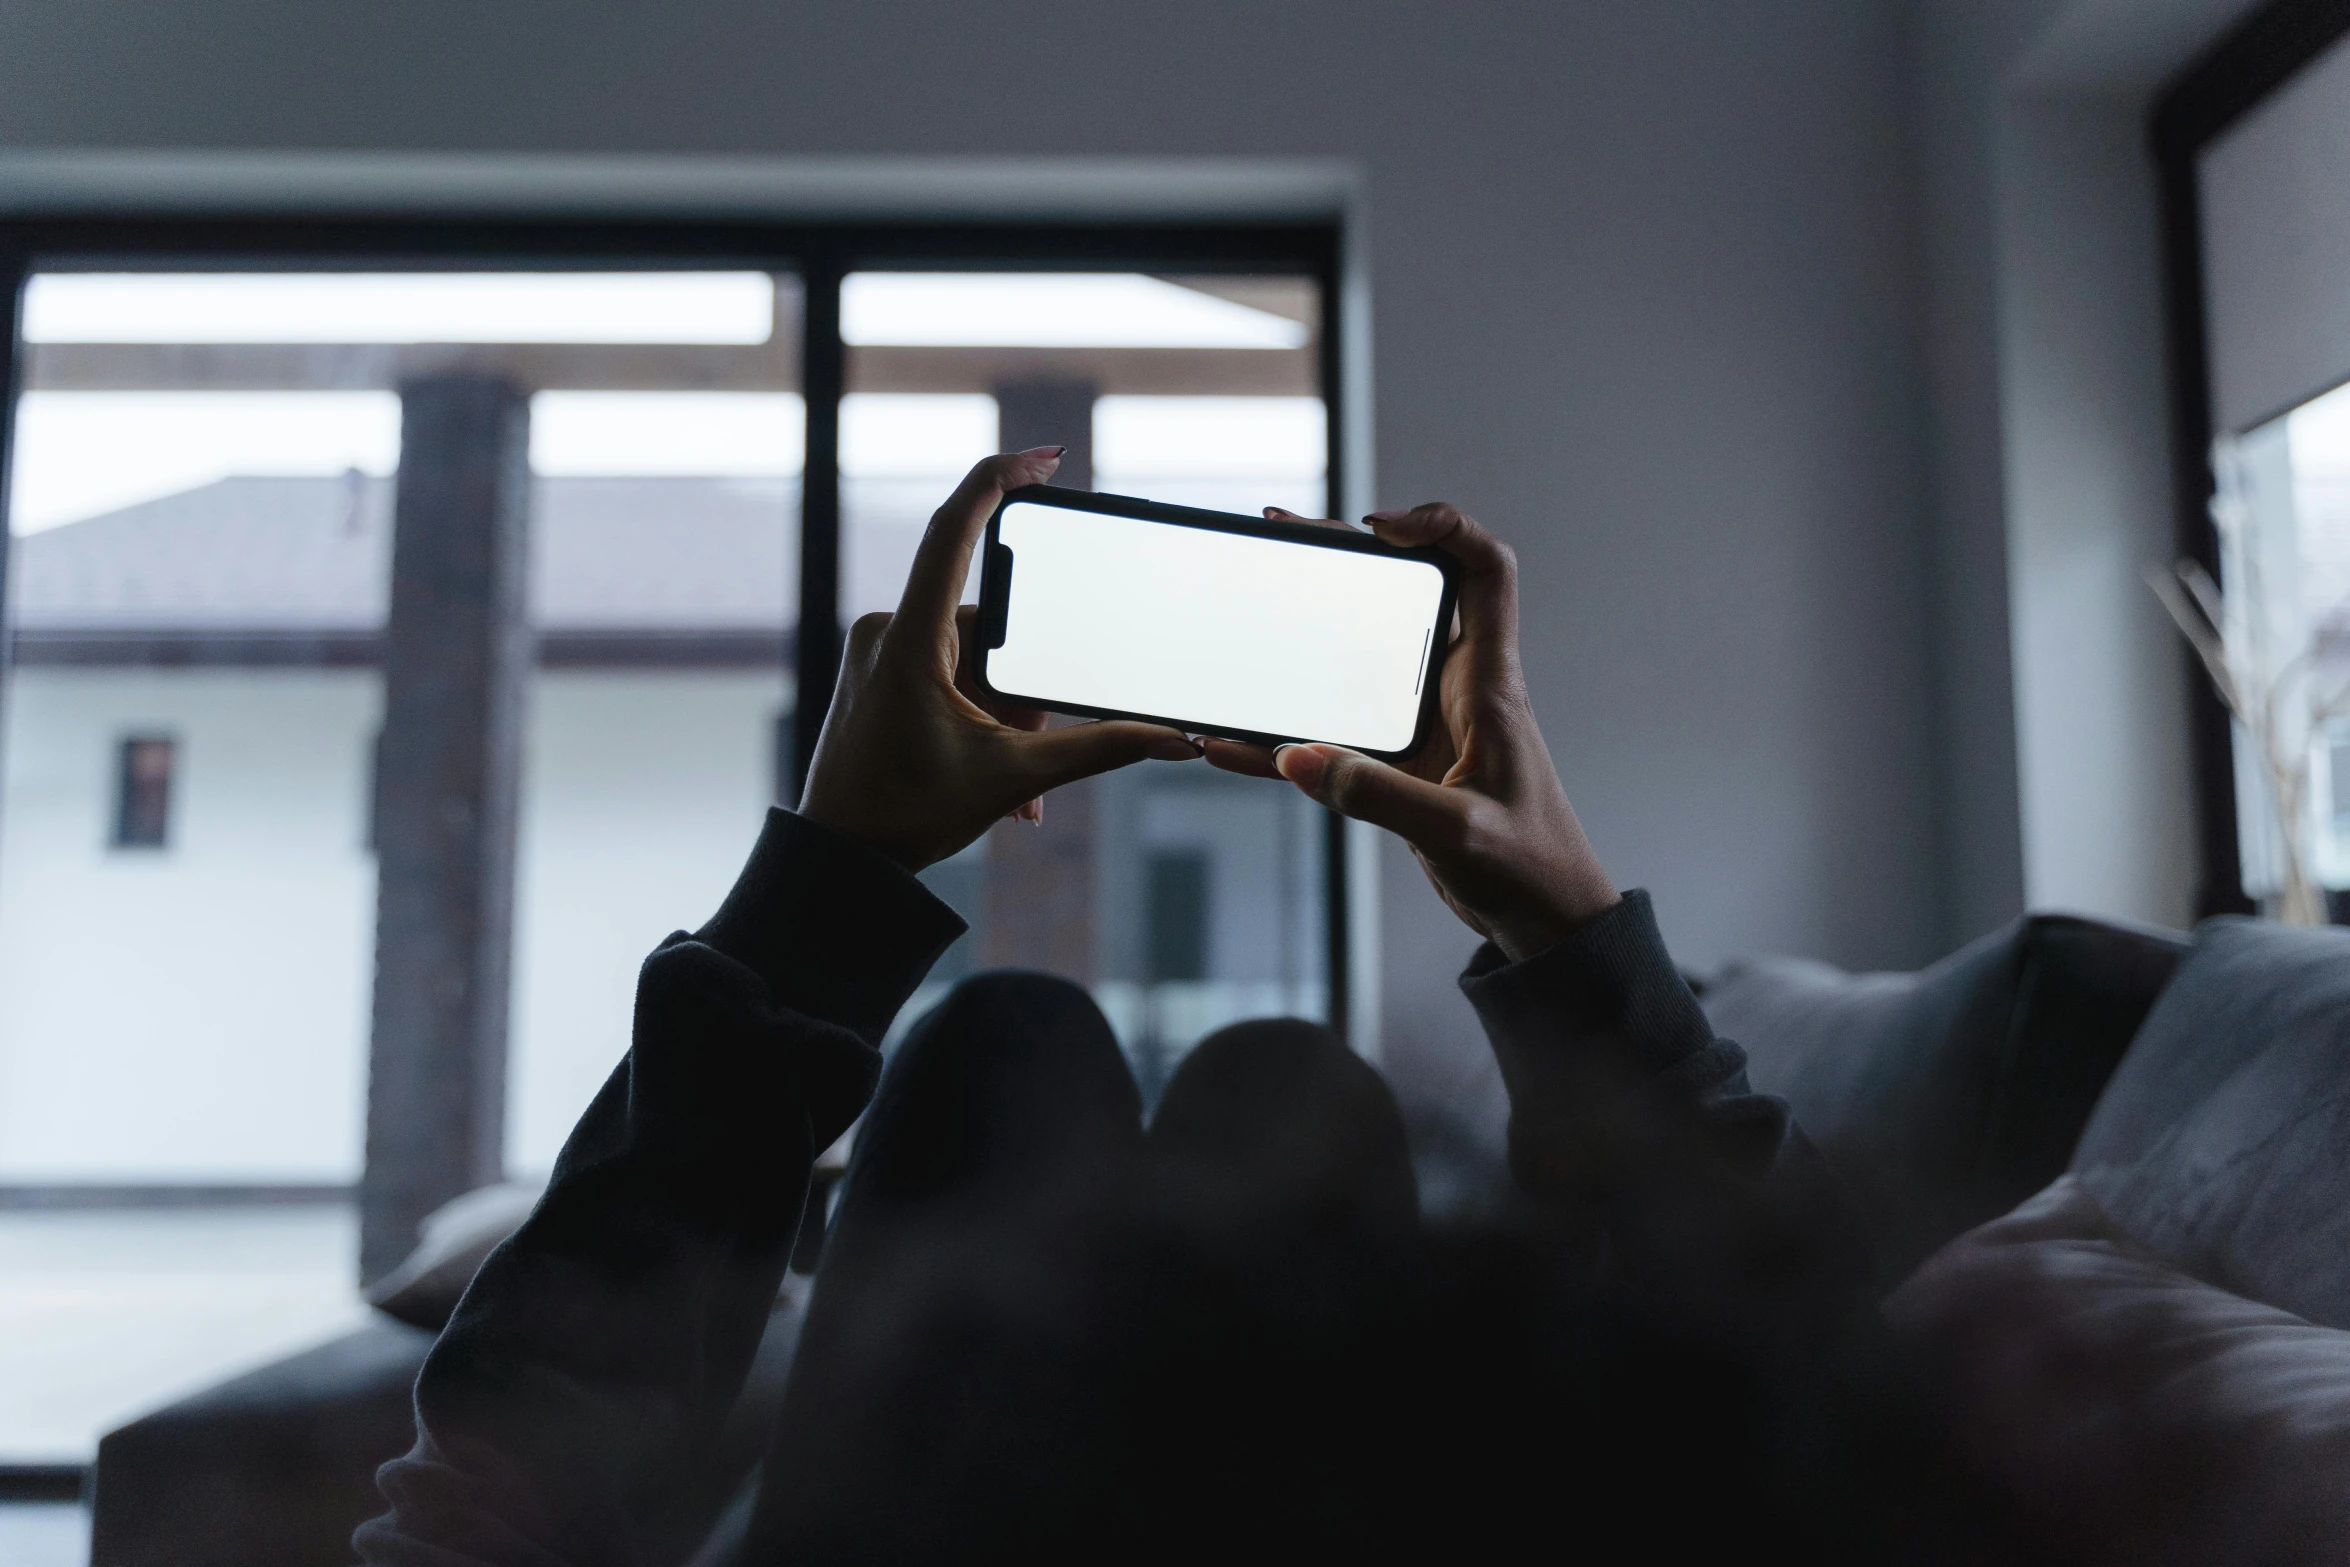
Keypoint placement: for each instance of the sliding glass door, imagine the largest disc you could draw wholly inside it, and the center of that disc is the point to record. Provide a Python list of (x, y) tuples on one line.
[(340, 797)]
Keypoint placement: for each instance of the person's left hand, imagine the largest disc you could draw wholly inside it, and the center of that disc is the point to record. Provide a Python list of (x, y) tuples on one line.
[(914, 759), (1480, 802)]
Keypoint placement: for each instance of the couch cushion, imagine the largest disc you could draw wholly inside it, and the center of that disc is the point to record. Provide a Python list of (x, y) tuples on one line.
[(1946, 1096), (453, 1242), (2223, 1142), (276, 1468), (271, 1469), (2119, 1410)]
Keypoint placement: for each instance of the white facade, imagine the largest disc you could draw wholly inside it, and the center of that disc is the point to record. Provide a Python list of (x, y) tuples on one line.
[(642, 792), (200, 1012), (197, 1012)]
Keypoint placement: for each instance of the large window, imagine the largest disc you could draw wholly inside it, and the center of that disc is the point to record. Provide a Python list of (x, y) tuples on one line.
[(305, 729), (2256, 232), (2283, 515)]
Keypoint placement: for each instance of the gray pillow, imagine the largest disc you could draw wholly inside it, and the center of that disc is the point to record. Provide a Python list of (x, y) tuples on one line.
[(2118, 1410), (2223, 1143), (1945, 1097), (423, 1290)]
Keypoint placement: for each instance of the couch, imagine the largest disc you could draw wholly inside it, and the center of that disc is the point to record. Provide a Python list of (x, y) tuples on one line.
[(275, 1468), (2147, 1358), (2103, 1169)]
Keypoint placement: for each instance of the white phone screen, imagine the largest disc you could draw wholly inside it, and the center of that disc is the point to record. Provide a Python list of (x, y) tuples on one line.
[(1223, 631)]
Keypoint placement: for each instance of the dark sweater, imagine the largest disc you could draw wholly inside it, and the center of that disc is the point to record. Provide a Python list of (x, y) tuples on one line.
[(572, 1402)]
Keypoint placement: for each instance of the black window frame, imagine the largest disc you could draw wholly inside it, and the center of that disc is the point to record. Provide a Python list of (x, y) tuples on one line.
[(820, 254), (2239, 72)]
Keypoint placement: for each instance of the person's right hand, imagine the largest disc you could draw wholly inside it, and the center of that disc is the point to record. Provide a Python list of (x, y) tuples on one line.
[(914, 758), (1480, 803)]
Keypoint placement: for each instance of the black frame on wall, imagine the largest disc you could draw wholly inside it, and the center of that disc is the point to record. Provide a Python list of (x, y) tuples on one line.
[(821, 255), (2199, 105)]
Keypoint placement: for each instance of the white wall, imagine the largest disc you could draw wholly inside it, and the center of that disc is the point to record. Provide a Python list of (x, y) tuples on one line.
[(200, 1012), (204, 1005), (1640, 287), (2058, 681), (2106, 808), (640, 795)]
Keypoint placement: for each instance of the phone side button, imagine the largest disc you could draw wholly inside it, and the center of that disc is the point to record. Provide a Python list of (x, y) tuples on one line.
[(995, 595)]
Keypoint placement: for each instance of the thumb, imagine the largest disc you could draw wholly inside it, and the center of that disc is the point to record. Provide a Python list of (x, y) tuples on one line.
[(1421, 813), (1059, 756)]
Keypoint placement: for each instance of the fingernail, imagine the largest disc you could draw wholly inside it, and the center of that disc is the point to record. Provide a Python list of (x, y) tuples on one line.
[(1174, 749), (1396, 515), (1044, 451), (1302, 765)]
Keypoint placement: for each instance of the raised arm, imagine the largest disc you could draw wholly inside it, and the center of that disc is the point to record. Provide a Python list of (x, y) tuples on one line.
[(568, 1413), (1627, 1116)]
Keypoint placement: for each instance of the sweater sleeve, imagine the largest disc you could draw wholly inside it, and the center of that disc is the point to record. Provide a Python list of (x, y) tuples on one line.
[(568, 1409), (1633, 1127)]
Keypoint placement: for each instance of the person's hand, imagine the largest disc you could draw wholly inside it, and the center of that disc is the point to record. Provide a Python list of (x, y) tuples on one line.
[(1480, 803), (913, 759)]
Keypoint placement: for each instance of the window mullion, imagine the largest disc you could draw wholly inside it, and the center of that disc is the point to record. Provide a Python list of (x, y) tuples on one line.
[(823, 375)]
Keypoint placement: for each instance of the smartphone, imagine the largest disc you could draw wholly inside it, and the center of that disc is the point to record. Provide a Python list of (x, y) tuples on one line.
[(1210, 622)]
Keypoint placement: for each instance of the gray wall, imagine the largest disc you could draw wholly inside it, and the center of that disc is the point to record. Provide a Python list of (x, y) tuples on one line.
[(1806, 350), (2060, 682)]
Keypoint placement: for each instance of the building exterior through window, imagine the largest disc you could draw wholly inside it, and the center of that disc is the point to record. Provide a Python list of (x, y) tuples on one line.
[(2283, 511), (250, 634)]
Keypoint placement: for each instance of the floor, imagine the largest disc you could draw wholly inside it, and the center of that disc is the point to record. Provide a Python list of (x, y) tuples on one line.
[(105, 1315)]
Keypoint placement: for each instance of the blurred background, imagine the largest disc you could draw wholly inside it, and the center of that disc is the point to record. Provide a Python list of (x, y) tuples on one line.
[(447, 442)]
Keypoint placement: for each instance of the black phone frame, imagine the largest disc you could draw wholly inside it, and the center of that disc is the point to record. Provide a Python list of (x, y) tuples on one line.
[(993, 608)]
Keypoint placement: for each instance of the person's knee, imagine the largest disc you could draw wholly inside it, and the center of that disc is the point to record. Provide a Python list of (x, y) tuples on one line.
[(1272, 1078), (1281, 1047), (1284, 1103), (1010, 1071), (1018, 1007)]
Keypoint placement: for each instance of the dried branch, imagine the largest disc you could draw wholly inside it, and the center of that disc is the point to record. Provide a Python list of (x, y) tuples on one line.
[(2258, 698), (2199, 624)]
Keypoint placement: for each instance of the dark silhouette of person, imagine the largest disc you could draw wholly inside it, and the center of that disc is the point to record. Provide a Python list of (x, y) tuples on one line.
[(1044, 1328)]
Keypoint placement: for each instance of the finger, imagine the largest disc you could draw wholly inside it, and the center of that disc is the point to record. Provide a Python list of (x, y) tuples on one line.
[(1284, 514), (1425, 815), (943, 561), (1061, 756), (865, 634), (1256, 761), (1011, 715), (861, 649), (1488, 567)]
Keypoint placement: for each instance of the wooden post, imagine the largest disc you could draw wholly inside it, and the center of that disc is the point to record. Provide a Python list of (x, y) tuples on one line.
[(457, 651)]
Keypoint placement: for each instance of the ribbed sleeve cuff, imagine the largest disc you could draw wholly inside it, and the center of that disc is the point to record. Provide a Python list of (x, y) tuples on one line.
[(838, 930), (1610, 986)]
